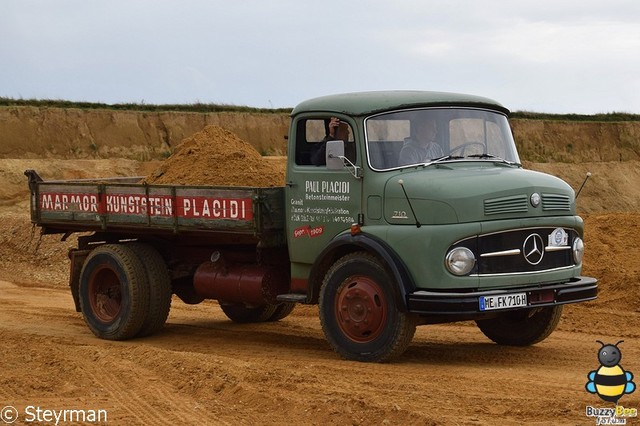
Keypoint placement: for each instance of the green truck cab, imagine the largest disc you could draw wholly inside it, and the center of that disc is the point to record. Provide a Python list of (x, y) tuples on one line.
[(384, 241), (400, 208)]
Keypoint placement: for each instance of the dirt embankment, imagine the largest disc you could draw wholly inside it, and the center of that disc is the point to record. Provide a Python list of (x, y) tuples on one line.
[(609, 151), (32, 132), (568, 150), (38, 132), (576, 142)]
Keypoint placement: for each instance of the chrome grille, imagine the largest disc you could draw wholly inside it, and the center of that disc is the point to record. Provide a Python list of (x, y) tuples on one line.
[(512, 204), (507, 252)]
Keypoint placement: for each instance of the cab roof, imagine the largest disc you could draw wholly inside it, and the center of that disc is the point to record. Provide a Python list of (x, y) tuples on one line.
[(365, 103)]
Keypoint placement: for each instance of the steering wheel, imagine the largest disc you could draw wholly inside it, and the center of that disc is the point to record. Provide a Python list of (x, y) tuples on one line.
[(463, 148)]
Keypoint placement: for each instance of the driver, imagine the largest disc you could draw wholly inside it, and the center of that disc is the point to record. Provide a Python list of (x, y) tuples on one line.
[(420, 147)]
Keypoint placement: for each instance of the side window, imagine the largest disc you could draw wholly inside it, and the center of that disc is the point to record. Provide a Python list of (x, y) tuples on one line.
[(311, 135)]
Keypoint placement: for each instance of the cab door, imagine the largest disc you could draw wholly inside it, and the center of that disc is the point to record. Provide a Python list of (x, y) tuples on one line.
[(320, 203)]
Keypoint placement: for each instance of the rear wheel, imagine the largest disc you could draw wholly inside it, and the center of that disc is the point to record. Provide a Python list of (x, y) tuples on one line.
[(114, 295), (159, 288), (522, 328), (282, 311), (358, 313), (240, 313)]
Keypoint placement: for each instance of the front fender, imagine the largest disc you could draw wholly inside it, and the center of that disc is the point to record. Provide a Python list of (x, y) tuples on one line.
[(346, 243)]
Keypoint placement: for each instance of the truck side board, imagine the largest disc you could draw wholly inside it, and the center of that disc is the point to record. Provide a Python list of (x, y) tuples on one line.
[(125, 205)]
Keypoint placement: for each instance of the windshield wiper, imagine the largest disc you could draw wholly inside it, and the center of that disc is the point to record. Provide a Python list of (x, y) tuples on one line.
[(493, 157), (444, 158), (484, 156)]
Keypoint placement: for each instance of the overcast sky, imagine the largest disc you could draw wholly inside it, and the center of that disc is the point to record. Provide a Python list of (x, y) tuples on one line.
[(557, 56)]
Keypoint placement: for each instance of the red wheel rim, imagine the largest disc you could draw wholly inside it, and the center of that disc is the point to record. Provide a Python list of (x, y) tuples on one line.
[(105, 294), (361, 309)]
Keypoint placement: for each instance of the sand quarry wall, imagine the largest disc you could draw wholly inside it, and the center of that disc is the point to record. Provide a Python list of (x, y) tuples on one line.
[(33, 132), (576, 142), (39, 132), (29, 136)]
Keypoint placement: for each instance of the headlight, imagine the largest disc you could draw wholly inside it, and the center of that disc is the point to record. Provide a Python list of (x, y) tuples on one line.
[(460, 261), (578, 250)]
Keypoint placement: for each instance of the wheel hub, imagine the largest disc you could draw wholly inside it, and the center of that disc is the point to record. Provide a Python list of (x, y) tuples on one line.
[(361, 309), (105, 295)]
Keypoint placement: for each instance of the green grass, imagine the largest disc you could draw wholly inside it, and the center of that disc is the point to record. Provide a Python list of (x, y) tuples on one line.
[(204, 108), (195, 107), (606, 117)]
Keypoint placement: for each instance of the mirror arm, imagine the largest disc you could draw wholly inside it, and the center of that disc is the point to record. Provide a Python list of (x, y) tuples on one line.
[(356, 170)]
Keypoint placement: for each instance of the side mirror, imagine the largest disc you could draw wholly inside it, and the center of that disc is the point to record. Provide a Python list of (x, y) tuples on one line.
[(334, 155)]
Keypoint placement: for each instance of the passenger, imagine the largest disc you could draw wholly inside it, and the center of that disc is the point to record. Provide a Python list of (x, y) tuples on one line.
[(420, 147)]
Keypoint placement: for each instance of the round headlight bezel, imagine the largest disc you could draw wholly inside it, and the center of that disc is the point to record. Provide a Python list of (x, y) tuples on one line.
[(460, 261)]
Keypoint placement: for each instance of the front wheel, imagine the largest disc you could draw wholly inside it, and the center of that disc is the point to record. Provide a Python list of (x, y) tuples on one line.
[(521, 328), (357, 311)]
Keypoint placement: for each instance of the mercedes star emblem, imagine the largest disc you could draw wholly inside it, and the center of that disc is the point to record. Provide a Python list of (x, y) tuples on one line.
[(533, 249)]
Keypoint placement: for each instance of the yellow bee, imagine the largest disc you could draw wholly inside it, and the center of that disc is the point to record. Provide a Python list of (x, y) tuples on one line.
[(610, 381)]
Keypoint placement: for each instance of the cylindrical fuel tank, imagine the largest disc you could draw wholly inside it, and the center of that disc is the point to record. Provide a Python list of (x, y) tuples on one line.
[(250, 284)]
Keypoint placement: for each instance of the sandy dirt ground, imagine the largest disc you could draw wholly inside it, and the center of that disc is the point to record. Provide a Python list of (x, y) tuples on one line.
[(204, 369)]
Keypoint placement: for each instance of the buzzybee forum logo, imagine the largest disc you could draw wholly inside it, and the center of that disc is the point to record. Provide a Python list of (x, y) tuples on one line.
[(610, 382)]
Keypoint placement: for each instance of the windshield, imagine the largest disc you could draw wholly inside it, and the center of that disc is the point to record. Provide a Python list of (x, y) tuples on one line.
[(413, 137)]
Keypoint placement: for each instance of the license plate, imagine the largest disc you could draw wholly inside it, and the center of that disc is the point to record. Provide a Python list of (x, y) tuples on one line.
[(503, 301)]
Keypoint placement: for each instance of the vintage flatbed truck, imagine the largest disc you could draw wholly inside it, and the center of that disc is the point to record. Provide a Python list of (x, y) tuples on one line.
[(381, 242)]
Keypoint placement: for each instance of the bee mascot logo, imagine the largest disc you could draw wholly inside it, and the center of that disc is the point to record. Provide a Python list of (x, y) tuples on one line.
[(610, 381)]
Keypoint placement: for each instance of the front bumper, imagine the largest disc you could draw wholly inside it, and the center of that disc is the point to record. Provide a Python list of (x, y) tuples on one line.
[(579, 289)]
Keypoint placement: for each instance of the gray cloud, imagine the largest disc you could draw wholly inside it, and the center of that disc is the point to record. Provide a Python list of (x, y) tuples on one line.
[(545, 55)]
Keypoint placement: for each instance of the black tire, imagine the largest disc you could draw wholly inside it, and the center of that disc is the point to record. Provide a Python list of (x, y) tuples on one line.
[(159, 288), (114, 296), (358, 313), (282, 311), (240, 313), (521, 328)]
